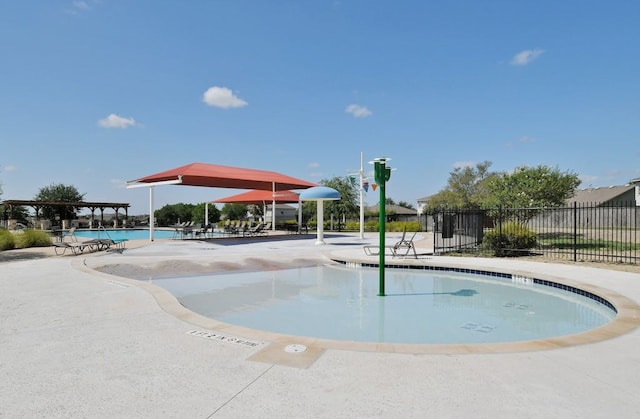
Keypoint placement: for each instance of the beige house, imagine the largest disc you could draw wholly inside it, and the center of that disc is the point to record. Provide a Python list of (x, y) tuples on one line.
[(284, 212), (394, 212), (609, 195)]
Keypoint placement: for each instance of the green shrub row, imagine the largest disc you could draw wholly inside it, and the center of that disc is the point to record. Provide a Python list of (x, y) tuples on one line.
[(514, 240), (7, 241), (24, 239)]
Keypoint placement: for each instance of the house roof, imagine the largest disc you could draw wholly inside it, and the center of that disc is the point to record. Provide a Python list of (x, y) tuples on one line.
[(599, 195), (396, 209), (217, 176)]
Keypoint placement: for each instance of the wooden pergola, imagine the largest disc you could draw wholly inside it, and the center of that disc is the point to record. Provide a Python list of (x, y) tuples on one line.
[(37, 205)]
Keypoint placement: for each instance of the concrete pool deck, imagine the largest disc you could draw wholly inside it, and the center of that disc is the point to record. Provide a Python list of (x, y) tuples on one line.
[(80, 343)]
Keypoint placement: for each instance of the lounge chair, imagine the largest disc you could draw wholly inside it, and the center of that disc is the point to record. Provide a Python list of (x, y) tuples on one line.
[(75, 247), (258, 230), (204, 231), (106, 244), (70, 234), (403, 245), (406, 245), (191, 230), (178, 229)]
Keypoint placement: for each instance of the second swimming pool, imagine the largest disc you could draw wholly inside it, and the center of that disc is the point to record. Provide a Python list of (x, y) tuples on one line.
[(339, 303)]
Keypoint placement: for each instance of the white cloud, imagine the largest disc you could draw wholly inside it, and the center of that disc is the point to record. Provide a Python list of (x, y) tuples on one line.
[(358, 111), (9, 168), (463, 164), (221, 97), (526, 57), (82, 5), (313, 165), (115, 121)]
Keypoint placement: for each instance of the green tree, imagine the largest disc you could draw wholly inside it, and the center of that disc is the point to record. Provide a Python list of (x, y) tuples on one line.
[(466, 188), (174, 213), (59, 193), (531, 187), (16, 212), (234, 211), (198, 213), (349, 203)]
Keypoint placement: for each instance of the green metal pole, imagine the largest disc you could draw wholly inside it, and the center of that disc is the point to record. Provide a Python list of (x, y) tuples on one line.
[(382, 223), (382, 175)]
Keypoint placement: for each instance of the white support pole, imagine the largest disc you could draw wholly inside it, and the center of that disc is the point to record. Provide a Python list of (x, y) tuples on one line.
[(299, 215), (361, 195), (152, 220), (151, 186), (206, 214), (320, 217), (273, 208)]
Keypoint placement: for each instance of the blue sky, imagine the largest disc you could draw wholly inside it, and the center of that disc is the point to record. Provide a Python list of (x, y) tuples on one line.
[(97, 93)]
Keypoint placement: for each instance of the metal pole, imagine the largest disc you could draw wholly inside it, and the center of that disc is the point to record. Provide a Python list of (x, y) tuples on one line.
[(151, 216), (273, 208), (382, 226), (361, 195), (382, 175)]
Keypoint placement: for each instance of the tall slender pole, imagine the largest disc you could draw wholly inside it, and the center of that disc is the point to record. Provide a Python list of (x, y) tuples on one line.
[(152, 220), (273, 208), (361, 195), (382, 175), (382, 227)]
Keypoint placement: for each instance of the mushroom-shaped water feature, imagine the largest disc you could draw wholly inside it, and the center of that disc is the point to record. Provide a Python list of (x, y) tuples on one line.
[(320, 194)]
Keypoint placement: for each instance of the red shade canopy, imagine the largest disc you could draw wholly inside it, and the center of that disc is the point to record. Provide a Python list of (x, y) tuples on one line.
[(216, 176), (259, 197)]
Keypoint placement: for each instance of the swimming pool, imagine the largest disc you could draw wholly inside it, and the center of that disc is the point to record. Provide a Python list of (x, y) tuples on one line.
[(126, 234), (334, 302)]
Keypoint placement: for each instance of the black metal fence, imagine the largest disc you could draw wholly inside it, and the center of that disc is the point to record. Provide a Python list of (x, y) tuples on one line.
[(580, 232)]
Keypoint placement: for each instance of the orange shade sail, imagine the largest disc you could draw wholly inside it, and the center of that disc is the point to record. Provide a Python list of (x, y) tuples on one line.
[(260, 197), (217, 176)]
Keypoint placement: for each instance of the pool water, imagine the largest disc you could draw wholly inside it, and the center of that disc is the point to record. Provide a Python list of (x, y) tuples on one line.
[(125, 234), (420, 307)]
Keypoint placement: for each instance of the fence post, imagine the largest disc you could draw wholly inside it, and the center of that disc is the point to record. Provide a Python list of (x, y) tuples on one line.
[(575, 231)]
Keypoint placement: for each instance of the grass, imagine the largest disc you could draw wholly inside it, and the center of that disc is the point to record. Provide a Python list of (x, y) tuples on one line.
[(598, 244)]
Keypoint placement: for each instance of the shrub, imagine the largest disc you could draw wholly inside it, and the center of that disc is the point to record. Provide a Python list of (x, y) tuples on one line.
[(7, 241), (513, 241), (32, 238)]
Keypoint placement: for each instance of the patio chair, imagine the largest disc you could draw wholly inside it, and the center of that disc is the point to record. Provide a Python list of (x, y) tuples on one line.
[(106, 244), (204, 231), (258, 230), (406, 245), (70, 234), (190, 230), (178, 229), (75, 247)]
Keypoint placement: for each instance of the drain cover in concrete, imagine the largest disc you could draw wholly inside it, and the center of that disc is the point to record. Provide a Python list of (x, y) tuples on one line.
[(295, 348)]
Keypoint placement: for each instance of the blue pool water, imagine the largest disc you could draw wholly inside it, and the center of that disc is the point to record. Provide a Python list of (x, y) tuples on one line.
[(124, 234), (420, 307)]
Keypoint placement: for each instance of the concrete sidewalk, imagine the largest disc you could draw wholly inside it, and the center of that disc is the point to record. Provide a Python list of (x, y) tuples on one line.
[(77, 343)]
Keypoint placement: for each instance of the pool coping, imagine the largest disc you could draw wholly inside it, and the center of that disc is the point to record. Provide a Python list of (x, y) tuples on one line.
[(626, 320)]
